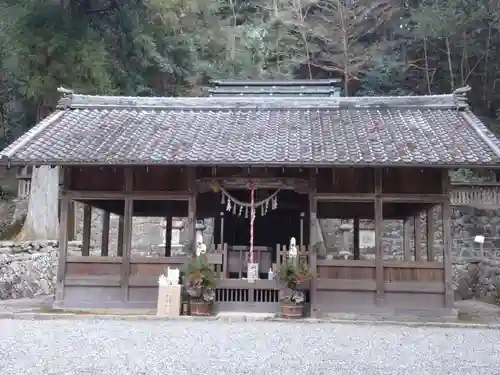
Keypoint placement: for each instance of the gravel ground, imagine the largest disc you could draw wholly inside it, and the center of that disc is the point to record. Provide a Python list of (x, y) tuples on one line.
[(216, 348)]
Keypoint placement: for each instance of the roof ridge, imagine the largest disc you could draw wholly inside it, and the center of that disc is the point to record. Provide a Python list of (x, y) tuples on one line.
[(482, 132), (77, 101)]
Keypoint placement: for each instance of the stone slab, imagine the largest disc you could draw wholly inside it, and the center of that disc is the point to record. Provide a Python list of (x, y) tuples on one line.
[(69, 316)]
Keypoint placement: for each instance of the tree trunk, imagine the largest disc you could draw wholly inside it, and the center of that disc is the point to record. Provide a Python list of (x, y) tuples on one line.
[(42, 221)]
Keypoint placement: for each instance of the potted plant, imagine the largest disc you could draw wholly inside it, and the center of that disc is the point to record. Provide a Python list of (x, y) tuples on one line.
[(293, 272), (200, 286)]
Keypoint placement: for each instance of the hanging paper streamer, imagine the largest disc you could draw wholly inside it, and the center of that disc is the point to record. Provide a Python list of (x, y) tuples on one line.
[(237, 206)]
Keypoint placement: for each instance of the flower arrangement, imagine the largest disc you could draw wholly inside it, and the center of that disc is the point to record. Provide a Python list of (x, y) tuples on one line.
[(292, 272), (200, 279)]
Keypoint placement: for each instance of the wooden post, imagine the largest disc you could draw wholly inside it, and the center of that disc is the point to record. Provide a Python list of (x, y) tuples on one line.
[(168, 236), (63, 240), (418, 237), (191, 177), (448, 270), (430, 235), (87, 221), (313, 222), (379, 251), (71, 221), (119, 245), (63, 249), (127, 235), (105, 234), (417, 225), (301, 240), (406, 240), (222, 228), (225, 261), (356, 250)]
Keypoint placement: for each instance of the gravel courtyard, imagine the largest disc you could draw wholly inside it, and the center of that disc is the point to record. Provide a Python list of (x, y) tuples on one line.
[(217, 348)]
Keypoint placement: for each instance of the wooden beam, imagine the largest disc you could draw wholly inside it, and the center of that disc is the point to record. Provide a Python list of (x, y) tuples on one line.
[(389, 198), (417, 225), (334, 197), (379, 250), (356, 250), (313, 223), (88, 280), (168, 236), (448, 271), (105, 234), (87, 222), (406, 240), (365, 285), (121, 195), (127, 235), (93, 259), (430, 234), (414, 198)]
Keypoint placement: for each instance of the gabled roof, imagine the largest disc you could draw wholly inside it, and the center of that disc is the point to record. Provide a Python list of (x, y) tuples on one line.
[(265, 130)]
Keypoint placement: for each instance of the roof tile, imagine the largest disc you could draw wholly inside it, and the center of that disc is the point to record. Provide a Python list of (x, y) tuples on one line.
[(258, 133)]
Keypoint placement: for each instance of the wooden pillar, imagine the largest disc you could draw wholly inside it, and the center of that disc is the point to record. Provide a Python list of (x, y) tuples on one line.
[(119, 245), (87, 221), (313, 222), (127, 235), (105, 234), (168, 236), (71, 221), (63, 240), (406, 240), (191, 177), (356, 251), (447, 260), (418, 237), (379, 251), (222, 229), (430, 234)]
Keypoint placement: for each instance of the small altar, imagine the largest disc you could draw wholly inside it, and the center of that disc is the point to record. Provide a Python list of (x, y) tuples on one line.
[(238, 258)]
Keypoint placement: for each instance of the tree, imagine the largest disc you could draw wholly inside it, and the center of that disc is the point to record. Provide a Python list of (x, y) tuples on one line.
[(42, 220)]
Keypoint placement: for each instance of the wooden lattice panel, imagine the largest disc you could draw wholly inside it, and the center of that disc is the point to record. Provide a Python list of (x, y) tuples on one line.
[(475, 196)]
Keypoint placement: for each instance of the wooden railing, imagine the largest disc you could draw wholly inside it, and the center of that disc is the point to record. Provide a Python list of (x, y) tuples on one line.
[(479, 194)]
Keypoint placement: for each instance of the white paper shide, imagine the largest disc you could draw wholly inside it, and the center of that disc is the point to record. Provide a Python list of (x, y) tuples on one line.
[(172, 277)]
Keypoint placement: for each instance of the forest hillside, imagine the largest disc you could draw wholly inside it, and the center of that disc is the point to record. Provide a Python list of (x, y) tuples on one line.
[(174, 47)]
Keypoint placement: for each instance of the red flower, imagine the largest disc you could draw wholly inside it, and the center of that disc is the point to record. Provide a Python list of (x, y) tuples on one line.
[(299, 278)]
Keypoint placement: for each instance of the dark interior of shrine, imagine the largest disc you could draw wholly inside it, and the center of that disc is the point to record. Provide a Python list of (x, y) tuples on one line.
[(277, 226)]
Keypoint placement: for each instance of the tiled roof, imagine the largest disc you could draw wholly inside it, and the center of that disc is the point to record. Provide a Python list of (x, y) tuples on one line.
[(418, 131)]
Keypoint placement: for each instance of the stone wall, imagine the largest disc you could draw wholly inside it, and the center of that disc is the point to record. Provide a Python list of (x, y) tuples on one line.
[(29, 268), (478, 280)]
